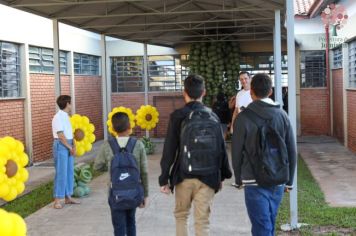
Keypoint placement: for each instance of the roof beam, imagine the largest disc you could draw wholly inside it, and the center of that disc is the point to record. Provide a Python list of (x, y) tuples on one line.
[(175, 23), (186, 29), (215, 40), (159, 13), (199, 35), (67, 3)]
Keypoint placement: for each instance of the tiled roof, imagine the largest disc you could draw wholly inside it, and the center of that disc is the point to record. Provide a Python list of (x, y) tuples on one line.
[(302, 7)]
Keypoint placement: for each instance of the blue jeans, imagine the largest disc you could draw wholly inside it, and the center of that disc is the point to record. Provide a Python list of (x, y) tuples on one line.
[(64, 166), (262, 206), (124, 222)]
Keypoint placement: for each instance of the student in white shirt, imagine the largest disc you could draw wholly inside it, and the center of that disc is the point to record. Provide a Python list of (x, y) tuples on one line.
[(243, 97), (63, 152)]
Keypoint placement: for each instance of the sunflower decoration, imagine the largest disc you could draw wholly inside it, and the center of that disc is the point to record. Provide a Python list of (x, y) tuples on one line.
[(13, 174), (12, 224), (147, 117), (83, 134), (129, 113)]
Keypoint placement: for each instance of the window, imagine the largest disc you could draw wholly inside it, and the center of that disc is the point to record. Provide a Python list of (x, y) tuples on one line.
[(313, 69), (337, 58), (162, 73), (166, 73), (10, 85), (352, 64), (127, 74), (263, 63), (86, 64), (41, 60)]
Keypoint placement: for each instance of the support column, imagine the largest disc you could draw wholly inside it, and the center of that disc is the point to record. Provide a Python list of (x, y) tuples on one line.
[(145, 77), (106, 86), (57, 71), (72, 82), (277, 58), (26, 92), (292, 104)]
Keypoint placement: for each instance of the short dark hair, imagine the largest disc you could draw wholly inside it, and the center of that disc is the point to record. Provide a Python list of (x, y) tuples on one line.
[(63, 100), (194, 86), (120, 122), (261, 85), (244, 72)]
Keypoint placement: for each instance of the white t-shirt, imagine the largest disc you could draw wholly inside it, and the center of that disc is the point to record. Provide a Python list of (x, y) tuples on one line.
[(122, 141), (61, 122), (243, 98)]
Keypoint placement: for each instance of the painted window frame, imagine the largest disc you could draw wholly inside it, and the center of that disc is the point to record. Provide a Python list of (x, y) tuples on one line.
[(313, 69), (127, 74), (41, 60), (10, 70), (85, 64), (352, 64), (337, 58)]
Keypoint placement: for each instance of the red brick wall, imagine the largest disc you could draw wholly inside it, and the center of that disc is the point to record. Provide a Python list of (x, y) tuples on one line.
[(351, 119), (338, 125), (165, 103), (65, 85), (130, 100), (12, 119), (43, 109), (88, 101), (314, 111)]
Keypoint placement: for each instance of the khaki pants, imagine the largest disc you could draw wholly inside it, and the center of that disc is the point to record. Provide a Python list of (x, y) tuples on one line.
[(193, 190)]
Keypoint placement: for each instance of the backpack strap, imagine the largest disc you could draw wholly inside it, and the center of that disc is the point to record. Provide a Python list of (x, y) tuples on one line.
[(114, 146), (131, 145)]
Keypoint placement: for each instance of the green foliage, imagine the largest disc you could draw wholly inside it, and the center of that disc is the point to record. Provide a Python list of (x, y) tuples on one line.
[(218, 63), (29, 203), (149, 146), (313, 209)]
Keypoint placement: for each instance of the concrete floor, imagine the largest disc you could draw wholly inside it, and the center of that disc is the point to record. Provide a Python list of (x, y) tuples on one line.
[(332, 165), (92, 217), (334, 168)]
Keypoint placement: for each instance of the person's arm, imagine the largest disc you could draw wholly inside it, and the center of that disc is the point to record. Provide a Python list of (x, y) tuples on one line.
[(225, 166), (169, 152), (237, 144), (101, 160), (234, 115), (143, 167)]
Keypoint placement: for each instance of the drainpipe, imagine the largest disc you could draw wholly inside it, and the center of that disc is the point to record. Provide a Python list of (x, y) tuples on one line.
[(327, 77)]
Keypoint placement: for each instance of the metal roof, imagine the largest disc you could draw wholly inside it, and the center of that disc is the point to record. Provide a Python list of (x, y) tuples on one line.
[(164, 22)]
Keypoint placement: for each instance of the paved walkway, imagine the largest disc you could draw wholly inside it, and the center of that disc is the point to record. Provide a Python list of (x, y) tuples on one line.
[(332, 165), (334, 168), (92, 217)]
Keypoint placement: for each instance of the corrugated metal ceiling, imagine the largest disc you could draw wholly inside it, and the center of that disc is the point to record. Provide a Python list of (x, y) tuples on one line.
[(164, 22)]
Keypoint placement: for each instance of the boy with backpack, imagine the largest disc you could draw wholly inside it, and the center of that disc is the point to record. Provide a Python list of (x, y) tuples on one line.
[(263, 156), (194, 158), (125, 158)]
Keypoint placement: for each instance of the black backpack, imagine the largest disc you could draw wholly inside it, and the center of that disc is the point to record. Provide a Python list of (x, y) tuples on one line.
[(126, 191), (200, 143), (270, 165)]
